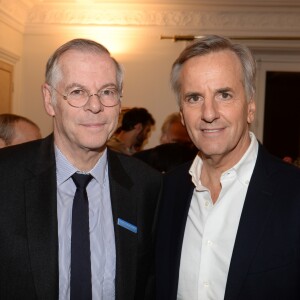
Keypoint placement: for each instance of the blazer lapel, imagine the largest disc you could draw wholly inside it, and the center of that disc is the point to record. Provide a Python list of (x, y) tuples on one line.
[(178, 211), (124, 209), (256, 210), (41, 219)]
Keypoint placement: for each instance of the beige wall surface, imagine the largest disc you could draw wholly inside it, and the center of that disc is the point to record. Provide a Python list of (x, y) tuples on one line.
[(11, 39), (11, 51)]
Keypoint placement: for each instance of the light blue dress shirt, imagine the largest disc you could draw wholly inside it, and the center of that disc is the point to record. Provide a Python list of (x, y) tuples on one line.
[(102, 238)]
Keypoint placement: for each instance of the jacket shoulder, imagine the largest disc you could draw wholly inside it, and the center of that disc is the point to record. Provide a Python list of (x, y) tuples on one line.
[(275, 167), (178, 173), (135, 168), (35, 156)]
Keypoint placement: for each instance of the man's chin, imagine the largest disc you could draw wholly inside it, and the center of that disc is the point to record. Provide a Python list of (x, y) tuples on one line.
[(95, 147)]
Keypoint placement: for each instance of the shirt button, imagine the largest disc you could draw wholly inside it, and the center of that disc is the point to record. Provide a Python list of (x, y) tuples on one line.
[(209, 243), (206, 203), (206, 284)]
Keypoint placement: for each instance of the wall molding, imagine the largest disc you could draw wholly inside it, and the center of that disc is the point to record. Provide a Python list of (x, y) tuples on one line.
[(15, 13), (256, 17), (8, 56), (193, 19)]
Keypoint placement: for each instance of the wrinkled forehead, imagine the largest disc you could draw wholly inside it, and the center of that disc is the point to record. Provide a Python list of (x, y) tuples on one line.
[(218, 59), (76, 64), (211, 67), (74, 57)]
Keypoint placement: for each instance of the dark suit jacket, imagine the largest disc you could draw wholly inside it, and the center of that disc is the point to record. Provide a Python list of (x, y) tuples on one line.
[(28, 223), (265, 263)]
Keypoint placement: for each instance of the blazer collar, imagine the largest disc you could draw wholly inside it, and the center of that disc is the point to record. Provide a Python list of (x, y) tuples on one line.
[(123, 207), (179, 211), (41, 219)]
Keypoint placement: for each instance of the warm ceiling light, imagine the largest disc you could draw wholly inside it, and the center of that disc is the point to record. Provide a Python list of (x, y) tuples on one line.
[(111, 37)]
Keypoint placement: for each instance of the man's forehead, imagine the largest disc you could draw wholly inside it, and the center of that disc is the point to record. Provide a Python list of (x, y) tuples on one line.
[(214, 58), (84, 53), (74, 62), (212, 66)]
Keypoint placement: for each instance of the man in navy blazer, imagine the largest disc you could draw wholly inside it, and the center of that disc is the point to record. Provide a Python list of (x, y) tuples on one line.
[(229, 223), (82, 94)]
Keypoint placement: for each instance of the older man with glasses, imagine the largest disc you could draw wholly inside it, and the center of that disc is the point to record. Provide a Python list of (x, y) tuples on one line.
[(77, 220)]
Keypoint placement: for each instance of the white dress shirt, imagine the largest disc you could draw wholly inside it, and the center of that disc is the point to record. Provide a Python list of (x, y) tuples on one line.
[(211, 230), (102, 238)]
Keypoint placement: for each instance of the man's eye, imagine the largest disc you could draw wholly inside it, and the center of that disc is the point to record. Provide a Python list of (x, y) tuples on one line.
[(225, 96), (108, 92), (192, 99), (78, 92)]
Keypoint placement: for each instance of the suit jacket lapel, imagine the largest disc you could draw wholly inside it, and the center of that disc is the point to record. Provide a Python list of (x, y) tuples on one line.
[(256, 210), (179, 214), (123, 207), (41, 219)]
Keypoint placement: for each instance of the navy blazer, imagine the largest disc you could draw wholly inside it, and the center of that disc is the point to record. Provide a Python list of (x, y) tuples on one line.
[(265, 263), (28, 223)]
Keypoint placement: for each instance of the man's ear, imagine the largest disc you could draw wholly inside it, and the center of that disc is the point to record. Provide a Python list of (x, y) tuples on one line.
[(48, 100), (182, 119), (251, 111), (138, 127)]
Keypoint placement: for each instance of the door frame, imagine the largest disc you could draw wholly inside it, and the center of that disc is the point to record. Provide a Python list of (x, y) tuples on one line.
[(270, 61)]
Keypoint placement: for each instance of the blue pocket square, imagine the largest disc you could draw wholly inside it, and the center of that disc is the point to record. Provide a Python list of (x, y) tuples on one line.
[(127, 225)]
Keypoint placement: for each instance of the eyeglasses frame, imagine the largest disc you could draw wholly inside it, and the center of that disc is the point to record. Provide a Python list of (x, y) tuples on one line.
[(65, 97)]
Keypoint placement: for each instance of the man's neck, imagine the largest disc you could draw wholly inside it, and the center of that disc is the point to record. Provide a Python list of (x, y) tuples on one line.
[(83, 159)]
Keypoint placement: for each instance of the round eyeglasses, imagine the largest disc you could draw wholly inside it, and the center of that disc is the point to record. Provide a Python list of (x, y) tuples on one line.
[(79, 97)]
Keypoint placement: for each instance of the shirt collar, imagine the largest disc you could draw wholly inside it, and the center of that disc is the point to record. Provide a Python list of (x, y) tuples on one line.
[(64, 169), (243, 168)]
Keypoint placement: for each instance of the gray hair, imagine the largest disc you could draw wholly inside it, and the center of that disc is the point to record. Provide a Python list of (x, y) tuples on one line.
[(214, 43), (52, 68)]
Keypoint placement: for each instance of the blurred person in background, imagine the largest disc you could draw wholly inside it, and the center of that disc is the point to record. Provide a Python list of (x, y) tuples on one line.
[(134, 131), (175, 149), (15, 129), (173, 131)]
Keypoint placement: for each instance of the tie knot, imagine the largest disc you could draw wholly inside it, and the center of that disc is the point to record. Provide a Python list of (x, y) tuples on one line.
[(81, 180)]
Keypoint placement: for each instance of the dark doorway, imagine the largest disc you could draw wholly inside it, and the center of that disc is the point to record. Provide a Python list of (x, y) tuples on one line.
[(282, 114)]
